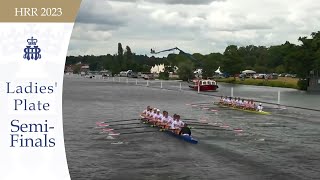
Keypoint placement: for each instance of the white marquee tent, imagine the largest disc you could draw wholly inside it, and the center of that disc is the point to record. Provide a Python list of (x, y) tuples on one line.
[(248, 72), (218, 71)]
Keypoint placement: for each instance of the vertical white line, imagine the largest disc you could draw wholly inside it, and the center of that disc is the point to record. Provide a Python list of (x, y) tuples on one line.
[(198, 87), (279, 97), (231, 91)]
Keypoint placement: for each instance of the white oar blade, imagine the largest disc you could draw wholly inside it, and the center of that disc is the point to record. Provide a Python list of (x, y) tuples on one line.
[(107, 130), (114, 134), (116, 143), (238, 130), (110, 137)]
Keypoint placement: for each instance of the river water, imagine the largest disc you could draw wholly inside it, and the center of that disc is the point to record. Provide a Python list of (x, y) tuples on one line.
[(283, 145)]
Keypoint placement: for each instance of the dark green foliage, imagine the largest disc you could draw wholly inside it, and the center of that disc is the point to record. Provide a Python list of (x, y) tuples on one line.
[(303, 84), (233, 62), (76, 69), (185, 71), (211, 63), (285, 58), (164, 75)]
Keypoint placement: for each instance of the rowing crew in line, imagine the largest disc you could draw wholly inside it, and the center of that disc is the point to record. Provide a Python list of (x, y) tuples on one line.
[(241, 103), (165, 121)]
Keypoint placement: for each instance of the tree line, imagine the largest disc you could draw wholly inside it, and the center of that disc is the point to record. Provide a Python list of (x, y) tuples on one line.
[(285, 58)]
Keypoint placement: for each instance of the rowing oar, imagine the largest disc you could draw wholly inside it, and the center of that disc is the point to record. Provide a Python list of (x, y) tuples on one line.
[(107, 129), (123, 120), (200, 106), (207, 126), (136, 132), (105, 125), (212, 125), (188, 121), (199, 103), (274, 108), (235, 129), (195, 120)]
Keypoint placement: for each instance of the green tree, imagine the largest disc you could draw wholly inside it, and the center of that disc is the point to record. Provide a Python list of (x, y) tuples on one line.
[(115, 66), (185, 71), (306, 55), (211, 63), (280, 69), (198, 62), (232, 62), (120, 57), (284, 58), (164, 75), (128, 53), (94, 66), (77, 68)]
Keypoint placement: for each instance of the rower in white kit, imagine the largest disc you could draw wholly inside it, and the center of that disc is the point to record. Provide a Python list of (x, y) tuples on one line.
[(164, 119), (170, 121), (157, 117), (149, 113), (260, 107), (152, 114), (145, 112), (177, 124)]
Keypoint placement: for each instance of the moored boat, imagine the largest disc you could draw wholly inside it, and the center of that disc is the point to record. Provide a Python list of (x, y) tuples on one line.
[(204, 85), (240, 109), (186, 138)]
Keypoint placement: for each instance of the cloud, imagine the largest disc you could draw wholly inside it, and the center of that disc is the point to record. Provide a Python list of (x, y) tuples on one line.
[(205, 27), (90, 35), (100, 13)]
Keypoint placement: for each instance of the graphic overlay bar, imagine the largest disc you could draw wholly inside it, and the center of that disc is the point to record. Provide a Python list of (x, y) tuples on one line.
[(33, 52), (39, 10)]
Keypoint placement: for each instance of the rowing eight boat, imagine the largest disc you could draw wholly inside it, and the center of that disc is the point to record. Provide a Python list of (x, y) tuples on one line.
[(240, 109), (186, 138)]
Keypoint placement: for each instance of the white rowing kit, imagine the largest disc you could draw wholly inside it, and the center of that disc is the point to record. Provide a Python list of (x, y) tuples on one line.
[(176, 124), (179, 123), (165, 119), (170, 121), (160, 117), (151, 114), (155, 116), (145, 111), (173, 124)]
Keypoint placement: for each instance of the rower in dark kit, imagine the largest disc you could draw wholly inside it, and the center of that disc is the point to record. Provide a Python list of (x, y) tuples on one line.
[(185, 130)]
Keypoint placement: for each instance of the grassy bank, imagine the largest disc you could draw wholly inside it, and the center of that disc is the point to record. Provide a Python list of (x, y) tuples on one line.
[(285, 82)]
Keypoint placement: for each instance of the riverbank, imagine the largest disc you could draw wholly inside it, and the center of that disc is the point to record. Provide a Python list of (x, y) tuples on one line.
[(285, 82)]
